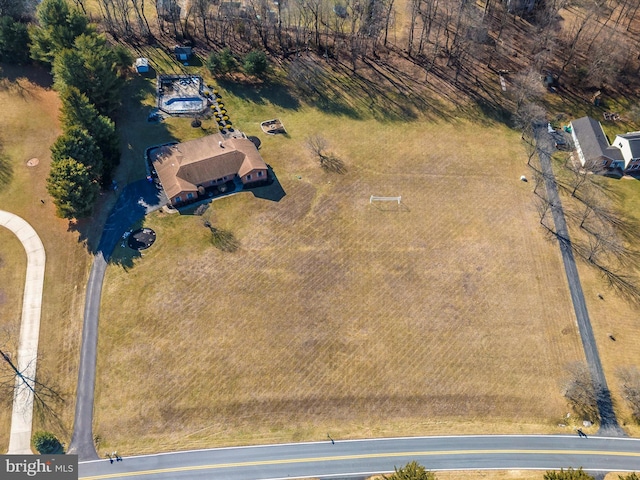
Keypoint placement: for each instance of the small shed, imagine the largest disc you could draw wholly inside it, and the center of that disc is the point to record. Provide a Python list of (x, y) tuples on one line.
[(182, 53), (142, 65)]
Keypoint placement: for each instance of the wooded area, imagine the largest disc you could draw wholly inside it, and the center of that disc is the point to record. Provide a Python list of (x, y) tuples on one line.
[(581, 42)]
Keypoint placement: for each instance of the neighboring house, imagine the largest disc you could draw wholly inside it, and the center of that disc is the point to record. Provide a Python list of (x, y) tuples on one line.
[(629, 145), (186, 170), (593, 147), (182, 54)]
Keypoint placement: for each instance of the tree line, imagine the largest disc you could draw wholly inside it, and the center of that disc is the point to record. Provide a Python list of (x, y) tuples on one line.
[(464, 34), (89, 74)]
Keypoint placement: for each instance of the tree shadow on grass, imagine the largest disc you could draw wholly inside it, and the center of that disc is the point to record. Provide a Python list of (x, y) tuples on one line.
[(275, 93), (33, 73), (223, 240), (6, 171), (333, 164), (124, 257), (375, 89)]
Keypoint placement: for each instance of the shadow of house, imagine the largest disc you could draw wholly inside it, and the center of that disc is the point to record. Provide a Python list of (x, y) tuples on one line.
[(271, 189), (201, 168)]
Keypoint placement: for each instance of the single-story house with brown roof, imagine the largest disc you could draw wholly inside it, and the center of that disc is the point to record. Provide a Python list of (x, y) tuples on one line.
[(187, 169)]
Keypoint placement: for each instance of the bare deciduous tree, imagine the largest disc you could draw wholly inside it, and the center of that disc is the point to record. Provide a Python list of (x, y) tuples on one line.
[(629, 378), (527, 117), (581, 393), (318, 146), (46, 398), (526, 87)]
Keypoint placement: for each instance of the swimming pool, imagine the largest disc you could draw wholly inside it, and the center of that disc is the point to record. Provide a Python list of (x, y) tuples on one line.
[(184, 104)]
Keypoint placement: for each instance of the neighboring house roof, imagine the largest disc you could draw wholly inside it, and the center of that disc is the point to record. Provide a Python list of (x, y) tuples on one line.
[(182, 50), (629, 145), (592, 141), (183, 167)]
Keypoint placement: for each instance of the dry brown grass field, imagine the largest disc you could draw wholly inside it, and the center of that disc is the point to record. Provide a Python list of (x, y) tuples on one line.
[(448, 314), (28, 126), (612, 315)]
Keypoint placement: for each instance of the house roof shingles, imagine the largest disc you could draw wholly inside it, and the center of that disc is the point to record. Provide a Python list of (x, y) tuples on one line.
[(593, 141), (184, 166)]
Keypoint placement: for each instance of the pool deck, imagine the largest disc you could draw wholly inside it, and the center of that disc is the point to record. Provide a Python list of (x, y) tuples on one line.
[(181, 94)]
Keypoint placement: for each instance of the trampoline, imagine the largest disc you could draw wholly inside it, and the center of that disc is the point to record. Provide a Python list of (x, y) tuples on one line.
[(141, 239)]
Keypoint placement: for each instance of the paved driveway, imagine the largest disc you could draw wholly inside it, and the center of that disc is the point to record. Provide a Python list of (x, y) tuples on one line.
[(608, 422), (135, 201)]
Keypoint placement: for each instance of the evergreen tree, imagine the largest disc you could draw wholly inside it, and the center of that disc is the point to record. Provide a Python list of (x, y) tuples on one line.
[(92, 67), (255, 63), (72, 187), (103, 131), (14, 41), (58, 28), (222, 62), (78, 111), (76, 143)]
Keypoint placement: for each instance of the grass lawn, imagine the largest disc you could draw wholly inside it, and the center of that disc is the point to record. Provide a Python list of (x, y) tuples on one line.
[(614, 316), (448, 314), (28, 127)]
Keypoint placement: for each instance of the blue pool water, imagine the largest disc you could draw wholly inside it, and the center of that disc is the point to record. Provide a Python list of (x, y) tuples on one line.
[(184, 104)]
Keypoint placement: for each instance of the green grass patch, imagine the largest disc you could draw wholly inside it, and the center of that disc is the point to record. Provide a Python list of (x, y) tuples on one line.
[(29, 125)]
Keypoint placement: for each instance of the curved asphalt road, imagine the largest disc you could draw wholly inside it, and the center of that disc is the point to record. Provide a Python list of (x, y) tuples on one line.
[(359, 458), (135, 201), (608, 422)]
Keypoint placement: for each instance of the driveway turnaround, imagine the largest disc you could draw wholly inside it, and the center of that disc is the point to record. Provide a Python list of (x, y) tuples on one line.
[(358, 459), (22, 414), (608, 422), (135, 201)]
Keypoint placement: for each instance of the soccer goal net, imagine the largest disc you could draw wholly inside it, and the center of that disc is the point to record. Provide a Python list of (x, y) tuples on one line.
[(375, 198)]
